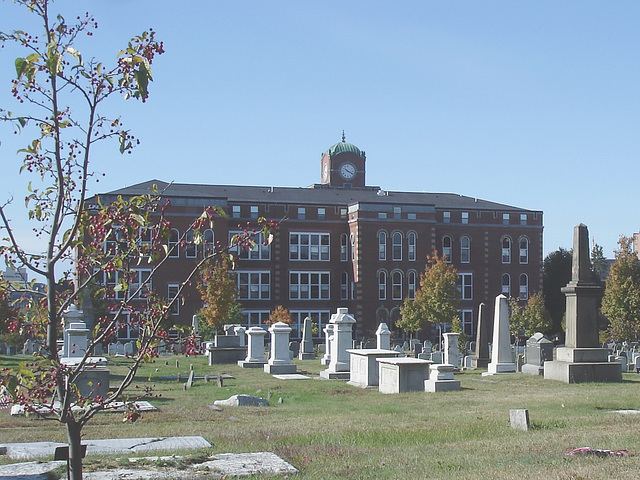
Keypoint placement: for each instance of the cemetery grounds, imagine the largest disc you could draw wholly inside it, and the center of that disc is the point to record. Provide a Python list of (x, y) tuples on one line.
[(328, 429)]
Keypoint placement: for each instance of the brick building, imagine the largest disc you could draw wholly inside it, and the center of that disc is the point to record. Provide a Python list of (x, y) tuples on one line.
[(346, 244)]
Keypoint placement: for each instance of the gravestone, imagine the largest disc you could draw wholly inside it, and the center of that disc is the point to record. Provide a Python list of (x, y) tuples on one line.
[(280, 359), (582, 359), (519, 419), (451, 351), (306, 347), (402, 374), (441, 378), (328, 339), (338, 367), (481, 352), (538, 350), (255, 349), (501, 357), (427, 346), (383, 337), (364, 366)]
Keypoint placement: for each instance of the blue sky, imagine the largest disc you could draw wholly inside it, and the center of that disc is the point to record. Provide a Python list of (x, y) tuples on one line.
[(532, 104)]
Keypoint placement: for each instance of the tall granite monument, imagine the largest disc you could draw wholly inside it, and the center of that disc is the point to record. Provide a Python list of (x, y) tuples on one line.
[(581, 359)]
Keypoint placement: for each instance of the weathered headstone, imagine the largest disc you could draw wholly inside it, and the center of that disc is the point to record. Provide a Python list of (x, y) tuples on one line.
[(338, 367), (539, 349), (481, 351), (383, 337), (306, 348), (582, 359), (519, 419), (451, 351), (501, 358)]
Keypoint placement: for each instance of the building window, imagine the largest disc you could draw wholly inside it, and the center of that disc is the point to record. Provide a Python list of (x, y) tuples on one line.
[(127, 328), (190, 248), (506, 285), (396, 247), (382, 285), (506, 250), (397, 212), (382, 245), (466, 316), (255, 318), (446, 217), (343, 213), (465, 249), (524, 250), (465, 217), (309, 246), (382, 215), (174, 243), (319, 317), (259, 251), (466, 286), (396, 285), (235, 211), (352, 243), (411, 246), (172, 292), (411, 216), (411, 284), (302, 213), (322, 213), (125, 285), (524, 287), (207, 242), (344, 286), (344, 251), (253, 285), (309, 285), (505, 219), (254, 211), (446, 248), (523, 219)]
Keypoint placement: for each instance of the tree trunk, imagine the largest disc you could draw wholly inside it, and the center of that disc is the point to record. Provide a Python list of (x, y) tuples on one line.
[(74, 431)]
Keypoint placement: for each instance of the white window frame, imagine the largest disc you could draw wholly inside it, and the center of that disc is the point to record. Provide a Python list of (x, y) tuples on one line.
[(506, 219), (309, 246), (523, 219), (208, 242), (322, 213), (446, 217), (505, 285), (344, 286), (382, 285), (111, 279), (259, 252), (235, 211), (190, 248), (254, 211), (302, 213), (396, 246), (466, 318), (319, 317), (172, 291), (309, 285), (465, 218), (506, 250), (173, 243), (382, 246), (412, 283), (446, 250), (344, 247), (466, 286), (523, 252), (396, 285), (253, 284), (411, 246), (523, 292), (465, 249)]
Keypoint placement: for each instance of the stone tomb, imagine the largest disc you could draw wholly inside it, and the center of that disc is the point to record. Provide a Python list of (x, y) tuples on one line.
[(227, 348), (364, 366), (402, 374)]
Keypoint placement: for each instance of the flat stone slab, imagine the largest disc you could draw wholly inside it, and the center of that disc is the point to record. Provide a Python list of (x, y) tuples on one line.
[(223, 465), (114, 407), (28, 451), (291, 376)]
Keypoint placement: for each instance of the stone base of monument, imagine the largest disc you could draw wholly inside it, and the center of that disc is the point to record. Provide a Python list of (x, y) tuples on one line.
[(332, 375), (251, 364), (533, 369), (500, 367), (278, 369), (306, 356), (581, 365), (93, 382), (479, 363), (441, 379), (226, 354)]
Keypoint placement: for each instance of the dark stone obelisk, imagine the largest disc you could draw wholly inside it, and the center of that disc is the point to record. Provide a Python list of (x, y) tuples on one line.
[(581, 359), (480, 357)]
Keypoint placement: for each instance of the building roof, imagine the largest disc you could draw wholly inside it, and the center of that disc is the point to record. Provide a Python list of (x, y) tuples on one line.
[(344, 146), (315, 194)]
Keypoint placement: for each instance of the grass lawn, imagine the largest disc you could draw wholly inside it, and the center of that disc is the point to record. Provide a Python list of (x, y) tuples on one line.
[(328, 429)]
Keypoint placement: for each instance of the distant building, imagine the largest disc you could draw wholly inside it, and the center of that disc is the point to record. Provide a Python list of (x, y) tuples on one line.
[(346, 244)]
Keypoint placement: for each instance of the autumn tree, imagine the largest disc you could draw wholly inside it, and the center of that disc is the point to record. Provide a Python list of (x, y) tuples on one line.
[(218, 291), (61, 93), (529, 318), (280, 314), (621, 301), (436, 300)]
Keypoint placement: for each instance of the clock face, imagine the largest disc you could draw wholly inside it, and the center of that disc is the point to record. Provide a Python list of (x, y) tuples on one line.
[(347, 171)]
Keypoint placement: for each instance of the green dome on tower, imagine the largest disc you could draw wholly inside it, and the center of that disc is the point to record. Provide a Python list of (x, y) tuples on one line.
[(343, 147)]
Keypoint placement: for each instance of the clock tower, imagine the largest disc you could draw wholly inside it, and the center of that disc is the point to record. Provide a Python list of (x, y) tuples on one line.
[(343, 165)]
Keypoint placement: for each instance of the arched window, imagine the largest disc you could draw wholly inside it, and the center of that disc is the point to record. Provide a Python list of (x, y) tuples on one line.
[(506, 250), (382, 245), (396, 285), (524, 250), (207, 245), (411, 246), (465, 249), (343, 248), (524, 287), (382, 285), (174, 243), (446, 247), (506, 285), (411, 284), (190, 249), (396, 240), (344, 286)]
